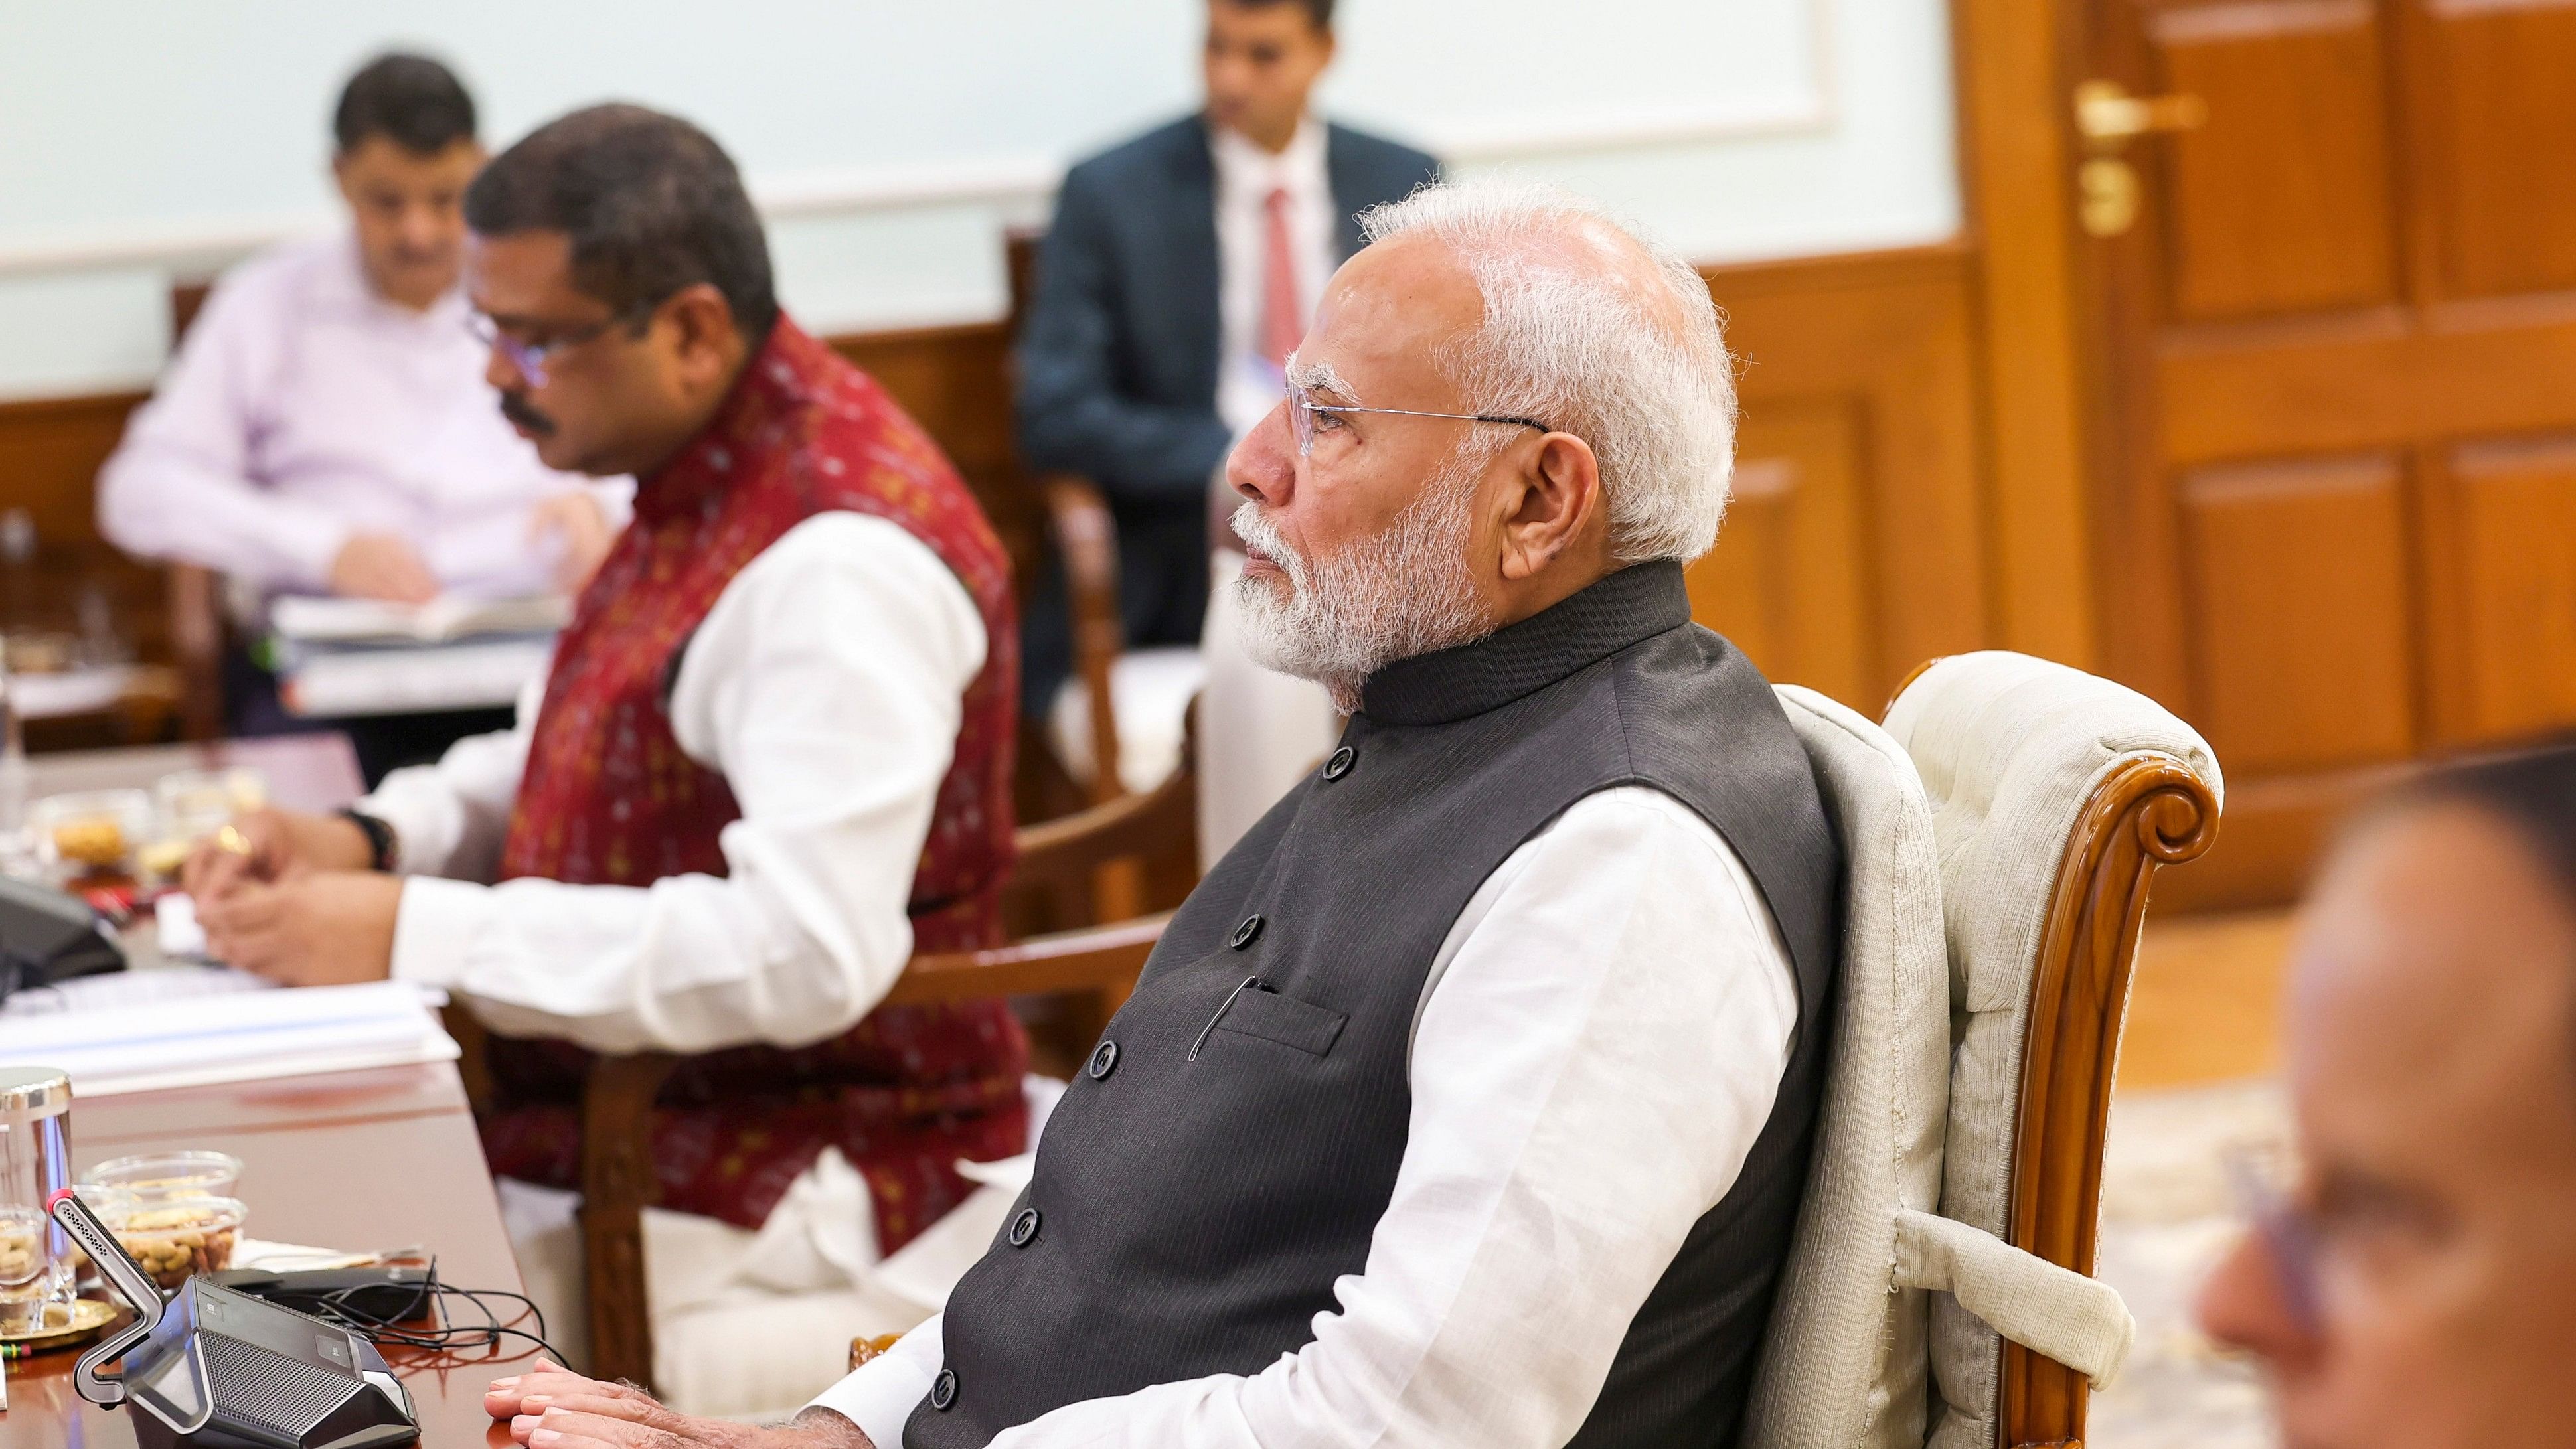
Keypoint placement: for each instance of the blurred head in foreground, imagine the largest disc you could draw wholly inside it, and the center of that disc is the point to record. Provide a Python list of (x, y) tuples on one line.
[(403, 151), (624, 280), (2417, 1285), (1507, 395)]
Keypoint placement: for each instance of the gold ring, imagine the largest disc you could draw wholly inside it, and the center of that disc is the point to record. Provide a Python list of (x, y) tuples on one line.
[(230, 838)]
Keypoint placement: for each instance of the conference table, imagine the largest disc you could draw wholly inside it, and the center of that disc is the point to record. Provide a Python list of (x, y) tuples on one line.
[(361, 1160)]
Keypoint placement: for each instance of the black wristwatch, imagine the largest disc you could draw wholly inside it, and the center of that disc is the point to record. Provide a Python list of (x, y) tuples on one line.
[(384, 852)]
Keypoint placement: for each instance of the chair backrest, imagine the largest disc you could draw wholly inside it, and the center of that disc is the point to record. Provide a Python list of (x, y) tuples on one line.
[(1844, 1363), (2054, 797)]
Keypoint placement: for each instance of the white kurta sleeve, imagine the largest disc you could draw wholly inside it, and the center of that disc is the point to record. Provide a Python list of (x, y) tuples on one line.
[(826, 685), (1602, 1043), (449, 818), (880, 1394)]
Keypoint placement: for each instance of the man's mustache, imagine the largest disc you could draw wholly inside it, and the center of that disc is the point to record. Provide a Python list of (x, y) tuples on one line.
[(516, 407), (1258, 532)]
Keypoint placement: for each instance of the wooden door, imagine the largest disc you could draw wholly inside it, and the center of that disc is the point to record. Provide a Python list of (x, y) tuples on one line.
[(2334, 271)]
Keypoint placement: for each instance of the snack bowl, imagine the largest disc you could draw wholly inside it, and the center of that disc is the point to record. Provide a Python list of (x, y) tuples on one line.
[(94, 832), (177, 1238), (160, 1176)]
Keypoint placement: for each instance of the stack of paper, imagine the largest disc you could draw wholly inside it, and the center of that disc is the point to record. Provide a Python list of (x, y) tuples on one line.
[(342, 657), (230, 1037), (447, 617), (335, 683)]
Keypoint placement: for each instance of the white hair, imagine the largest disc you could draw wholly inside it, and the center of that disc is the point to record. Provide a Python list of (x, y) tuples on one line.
[(1645, 380)]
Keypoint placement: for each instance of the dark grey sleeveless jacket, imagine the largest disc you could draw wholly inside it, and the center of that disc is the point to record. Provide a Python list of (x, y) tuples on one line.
[(1234, 1138)]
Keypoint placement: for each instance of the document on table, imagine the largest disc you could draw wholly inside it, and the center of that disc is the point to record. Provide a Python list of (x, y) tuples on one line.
[(185, 1028)]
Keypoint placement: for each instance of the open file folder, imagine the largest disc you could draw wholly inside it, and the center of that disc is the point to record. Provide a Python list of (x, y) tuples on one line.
[(198, 1039)]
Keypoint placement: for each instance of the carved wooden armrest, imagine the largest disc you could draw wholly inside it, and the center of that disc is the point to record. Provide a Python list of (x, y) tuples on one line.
[(863, 1349), (1095, 958), (2152, 810)]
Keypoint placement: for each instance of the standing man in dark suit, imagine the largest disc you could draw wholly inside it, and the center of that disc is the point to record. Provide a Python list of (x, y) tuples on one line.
[(1182, 268)]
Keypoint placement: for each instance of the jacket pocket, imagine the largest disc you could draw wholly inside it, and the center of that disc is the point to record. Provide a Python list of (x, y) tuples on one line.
[(1270, 1016)]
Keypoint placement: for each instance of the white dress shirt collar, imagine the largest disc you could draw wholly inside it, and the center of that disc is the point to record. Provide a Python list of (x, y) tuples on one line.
[(1242, 164)]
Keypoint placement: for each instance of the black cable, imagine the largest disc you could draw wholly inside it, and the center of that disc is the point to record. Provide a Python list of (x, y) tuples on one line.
[(447, 1336)]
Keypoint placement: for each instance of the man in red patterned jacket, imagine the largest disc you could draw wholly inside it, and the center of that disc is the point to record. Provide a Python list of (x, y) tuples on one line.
[(772, 757)]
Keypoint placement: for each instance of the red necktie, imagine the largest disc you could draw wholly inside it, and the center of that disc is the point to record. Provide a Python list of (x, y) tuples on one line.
[(1283, 322)]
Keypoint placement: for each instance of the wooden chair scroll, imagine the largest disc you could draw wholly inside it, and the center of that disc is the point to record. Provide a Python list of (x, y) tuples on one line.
[(2153, 810)]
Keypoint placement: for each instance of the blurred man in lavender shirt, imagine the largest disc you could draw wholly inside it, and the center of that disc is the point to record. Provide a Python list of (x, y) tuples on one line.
[(326, 428)]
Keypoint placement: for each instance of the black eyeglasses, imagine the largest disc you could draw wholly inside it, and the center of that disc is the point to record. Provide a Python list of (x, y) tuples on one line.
[(1303, 412), (530, 358)]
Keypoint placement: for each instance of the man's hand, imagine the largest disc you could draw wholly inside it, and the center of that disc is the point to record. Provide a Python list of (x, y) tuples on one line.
[(320, 928), (576, 519), (268, 846), (555, 1408), (381, 566)]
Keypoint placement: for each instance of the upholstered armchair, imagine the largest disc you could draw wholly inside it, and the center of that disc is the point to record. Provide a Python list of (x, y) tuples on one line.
[(2001, 831)]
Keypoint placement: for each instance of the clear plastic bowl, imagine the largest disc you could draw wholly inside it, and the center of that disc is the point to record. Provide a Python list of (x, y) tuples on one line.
[(177, 1238), (159, 1175)]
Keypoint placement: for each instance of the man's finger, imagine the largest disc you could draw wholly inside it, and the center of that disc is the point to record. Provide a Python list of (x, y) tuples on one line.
[(530, 1393), (211, 871), (628, 1407), (249, 907), (561, 1427)]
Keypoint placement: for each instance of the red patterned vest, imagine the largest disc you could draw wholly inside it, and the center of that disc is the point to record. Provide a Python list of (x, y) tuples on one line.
[(608, 798)]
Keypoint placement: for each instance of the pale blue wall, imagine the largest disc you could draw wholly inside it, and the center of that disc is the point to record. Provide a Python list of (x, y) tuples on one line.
[(125, 125)]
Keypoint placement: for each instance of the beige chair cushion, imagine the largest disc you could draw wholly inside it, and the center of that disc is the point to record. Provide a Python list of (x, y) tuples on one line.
[(1844, 1365), (2009, 749)]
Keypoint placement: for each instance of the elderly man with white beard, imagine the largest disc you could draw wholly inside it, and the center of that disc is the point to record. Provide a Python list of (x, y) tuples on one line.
[(1467, 1101)]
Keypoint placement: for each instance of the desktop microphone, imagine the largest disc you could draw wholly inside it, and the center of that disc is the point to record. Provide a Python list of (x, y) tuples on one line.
[(214, 1368)]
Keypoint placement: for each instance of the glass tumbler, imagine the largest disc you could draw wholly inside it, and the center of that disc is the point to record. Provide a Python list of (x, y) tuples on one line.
[(35, 1163)]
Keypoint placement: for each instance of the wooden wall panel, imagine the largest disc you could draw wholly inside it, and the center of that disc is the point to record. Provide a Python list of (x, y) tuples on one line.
[(1866, 364), (2281, 201), (1790, 578), (2500, 86), (2504, 605), (50, 451), (2299, 612)]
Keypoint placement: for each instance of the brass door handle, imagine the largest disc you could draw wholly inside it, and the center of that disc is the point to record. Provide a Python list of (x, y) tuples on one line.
[(2107, 115)]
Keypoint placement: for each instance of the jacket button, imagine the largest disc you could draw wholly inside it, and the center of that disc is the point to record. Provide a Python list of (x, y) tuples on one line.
[(1248, 932), (1340, 764), (1104, 1060), (943, 1390), (1024, 1227)]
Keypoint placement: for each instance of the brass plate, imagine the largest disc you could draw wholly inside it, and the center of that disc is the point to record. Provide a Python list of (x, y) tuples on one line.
[(65, 1330)]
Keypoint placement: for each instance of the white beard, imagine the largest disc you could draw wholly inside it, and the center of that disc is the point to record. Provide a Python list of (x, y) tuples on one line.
[(1403, 591)]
